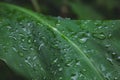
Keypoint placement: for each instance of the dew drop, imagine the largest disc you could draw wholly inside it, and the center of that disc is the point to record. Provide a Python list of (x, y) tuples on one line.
[(9, 27), (102, 68), (23, 48), (110, 60), (113, 53), (69, 64), (55, 61), (78, 63), (74, 76), (107, 45), (29, 41), (28, 62), (83, 40), (118, 57), (107, 76), (57, 24), (60, 69), (110, 35), (13, 37), (34, 41), (41, 45), (115, 78), (21, 54), (23, 40), (84, 70), (100, 27), (100, 36), (34, 57), (60, 78), (14, 49)]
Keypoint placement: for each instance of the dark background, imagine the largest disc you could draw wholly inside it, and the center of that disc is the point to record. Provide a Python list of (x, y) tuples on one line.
[(107, 9)]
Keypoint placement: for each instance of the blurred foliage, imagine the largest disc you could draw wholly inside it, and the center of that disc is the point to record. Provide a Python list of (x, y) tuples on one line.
[(74, 9)]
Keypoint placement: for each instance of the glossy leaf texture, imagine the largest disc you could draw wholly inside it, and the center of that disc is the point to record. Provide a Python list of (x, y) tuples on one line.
[(44, 48)]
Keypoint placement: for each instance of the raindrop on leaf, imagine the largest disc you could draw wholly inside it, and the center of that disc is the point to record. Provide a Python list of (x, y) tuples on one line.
[(100, 36)]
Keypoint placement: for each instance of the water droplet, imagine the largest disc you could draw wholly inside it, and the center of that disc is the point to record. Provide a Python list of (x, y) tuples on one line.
[(23, 48), (9, 27), (60, 69), (34, 57), (13, 37), (69, 64), (28, 62), (74, 76), (107, 45), (115, 78), (83, 40), (29, 41), (100, 27), (14, 49), (107, 76), (34, 41), (55, 60), (58, 65), (110, 60), (41, 45), (113, 53), (24, 29), (110, 35), (29, 24), (84, 69), (78, 63), (31, 48), (102, 68), (23, 40), (57, 24), (21, 54), (60, 78), (118, 58), (28, 57), (100, 36)]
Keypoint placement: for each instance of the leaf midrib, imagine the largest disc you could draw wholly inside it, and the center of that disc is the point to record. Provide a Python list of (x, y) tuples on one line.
[(54, 29)]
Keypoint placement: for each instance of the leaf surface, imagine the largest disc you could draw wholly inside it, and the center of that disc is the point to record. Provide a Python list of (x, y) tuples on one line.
[(43, 48)]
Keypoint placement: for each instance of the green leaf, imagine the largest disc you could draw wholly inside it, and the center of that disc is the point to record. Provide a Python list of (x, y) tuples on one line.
[(43, 48)]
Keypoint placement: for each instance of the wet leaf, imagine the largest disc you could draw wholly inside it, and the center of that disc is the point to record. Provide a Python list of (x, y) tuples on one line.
[(43, 48)]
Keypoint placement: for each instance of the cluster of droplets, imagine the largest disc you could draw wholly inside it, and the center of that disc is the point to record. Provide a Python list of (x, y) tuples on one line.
[(82, 37)]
